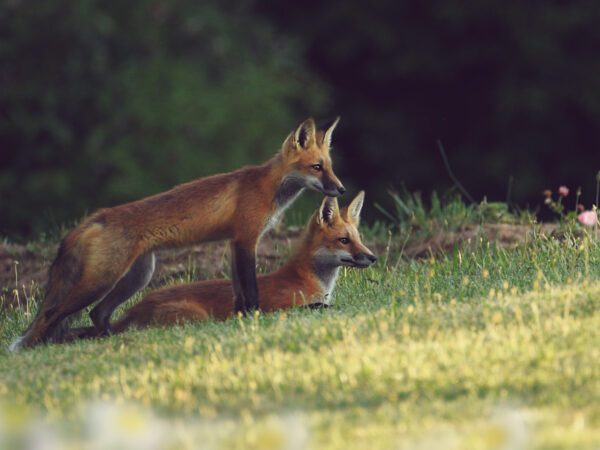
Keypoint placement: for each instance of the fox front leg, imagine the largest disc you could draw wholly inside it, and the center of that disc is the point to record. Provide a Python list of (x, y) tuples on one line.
[(243, 275)]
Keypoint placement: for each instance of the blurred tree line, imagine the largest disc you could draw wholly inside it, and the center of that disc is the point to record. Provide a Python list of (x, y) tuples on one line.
[(510, 88), (108, 101)]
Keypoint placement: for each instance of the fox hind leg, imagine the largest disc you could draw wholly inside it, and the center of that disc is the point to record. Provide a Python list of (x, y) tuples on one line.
[(137, 277)]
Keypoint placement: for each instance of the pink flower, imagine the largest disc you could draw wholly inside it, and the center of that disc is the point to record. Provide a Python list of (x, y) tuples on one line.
[(563, 191), (588, 218)]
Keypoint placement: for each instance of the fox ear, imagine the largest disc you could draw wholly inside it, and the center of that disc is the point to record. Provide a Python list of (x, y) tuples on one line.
[(355, 207), (327, 211), (304, 137), (327, 131)]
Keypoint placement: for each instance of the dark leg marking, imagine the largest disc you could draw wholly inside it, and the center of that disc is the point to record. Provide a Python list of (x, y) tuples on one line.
[(136, 278), (244, 279)]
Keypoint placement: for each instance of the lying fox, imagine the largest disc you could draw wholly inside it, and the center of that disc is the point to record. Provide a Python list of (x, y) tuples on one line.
[(109, 256), (331, 240)]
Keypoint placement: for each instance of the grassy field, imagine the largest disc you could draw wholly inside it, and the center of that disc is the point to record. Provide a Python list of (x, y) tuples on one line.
[(484, 346)]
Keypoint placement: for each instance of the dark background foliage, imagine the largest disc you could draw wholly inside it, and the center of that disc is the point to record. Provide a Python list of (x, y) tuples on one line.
[(104, 102)]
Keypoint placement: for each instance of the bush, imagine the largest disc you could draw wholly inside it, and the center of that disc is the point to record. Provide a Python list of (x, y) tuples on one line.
[(109, 101)]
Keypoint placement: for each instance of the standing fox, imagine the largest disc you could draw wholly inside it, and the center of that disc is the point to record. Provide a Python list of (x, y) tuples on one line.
[(109, 256), (331, 240)]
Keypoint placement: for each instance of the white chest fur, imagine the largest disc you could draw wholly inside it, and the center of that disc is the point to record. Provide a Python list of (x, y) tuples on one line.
[(289, 190), (273, 220), (328, 279)]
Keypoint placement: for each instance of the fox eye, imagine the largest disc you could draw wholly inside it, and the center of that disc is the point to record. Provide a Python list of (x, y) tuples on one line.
[(344, 240), (317, 167)]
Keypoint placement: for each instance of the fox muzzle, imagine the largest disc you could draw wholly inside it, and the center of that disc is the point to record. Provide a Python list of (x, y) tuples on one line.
[(333, 190), (364, 259), (360, 260)]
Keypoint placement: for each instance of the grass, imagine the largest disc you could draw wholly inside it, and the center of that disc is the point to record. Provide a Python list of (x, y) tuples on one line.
[(483, 347)]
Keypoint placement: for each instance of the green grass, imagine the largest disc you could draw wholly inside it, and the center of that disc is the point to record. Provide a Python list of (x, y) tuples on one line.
[(481, 348)]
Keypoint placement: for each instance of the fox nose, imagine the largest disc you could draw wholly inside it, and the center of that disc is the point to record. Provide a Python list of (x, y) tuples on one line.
[(364, 258), (341, 189)]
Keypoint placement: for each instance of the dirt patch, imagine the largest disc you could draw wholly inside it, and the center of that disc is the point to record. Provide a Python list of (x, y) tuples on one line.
[(504, 234), (26, 267)]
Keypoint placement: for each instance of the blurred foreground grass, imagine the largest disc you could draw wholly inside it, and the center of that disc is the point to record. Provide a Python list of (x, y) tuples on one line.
[(484, 347)]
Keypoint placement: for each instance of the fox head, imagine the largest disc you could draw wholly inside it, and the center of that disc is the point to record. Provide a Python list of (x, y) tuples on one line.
[(334, 235), (306, 158)]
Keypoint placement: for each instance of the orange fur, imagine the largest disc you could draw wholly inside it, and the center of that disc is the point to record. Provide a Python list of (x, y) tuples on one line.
[(296, 283), (109, 255)]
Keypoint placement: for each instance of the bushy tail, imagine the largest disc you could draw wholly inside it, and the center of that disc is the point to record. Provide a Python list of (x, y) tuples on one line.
[(41, 330), (64, 273), (14, 345)]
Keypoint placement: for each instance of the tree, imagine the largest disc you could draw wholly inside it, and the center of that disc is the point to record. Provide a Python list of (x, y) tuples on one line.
[(109, 101)]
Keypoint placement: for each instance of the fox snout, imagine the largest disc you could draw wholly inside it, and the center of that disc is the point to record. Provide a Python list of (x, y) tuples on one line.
[(331, 185), (328, 187), (364, 259), (333, 190), (360, 260)]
